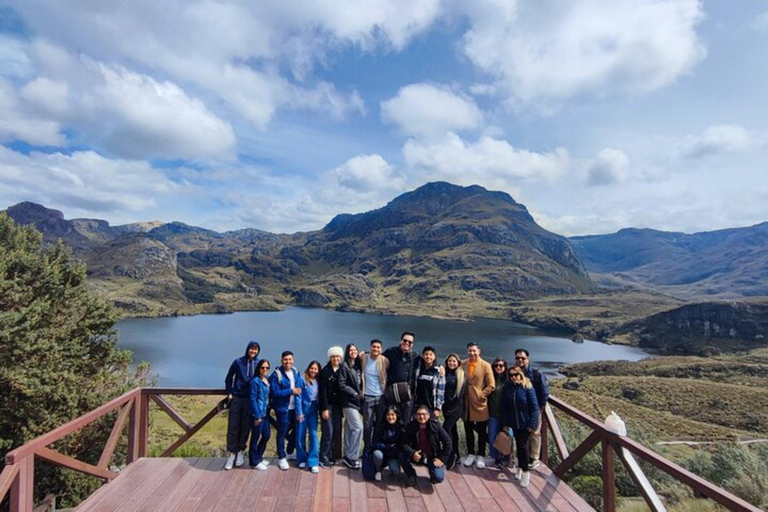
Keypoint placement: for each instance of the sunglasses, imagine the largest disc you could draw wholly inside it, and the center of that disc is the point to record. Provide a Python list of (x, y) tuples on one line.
[(263, 367), (499, 365), (521, 358), (408, 342)]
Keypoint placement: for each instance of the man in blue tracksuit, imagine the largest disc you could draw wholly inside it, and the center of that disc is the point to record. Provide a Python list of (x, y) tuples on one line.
[(237, 383), (285, 386)]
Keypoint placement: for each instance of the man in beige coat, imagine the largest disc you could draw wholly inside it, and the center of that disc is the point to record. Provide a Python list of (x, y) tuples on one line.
[(480, 384)]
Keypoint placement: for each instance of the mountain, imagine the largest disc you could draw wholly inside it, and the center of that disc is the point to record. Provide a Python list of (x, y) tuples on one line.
[(728, 263), (440, 244)]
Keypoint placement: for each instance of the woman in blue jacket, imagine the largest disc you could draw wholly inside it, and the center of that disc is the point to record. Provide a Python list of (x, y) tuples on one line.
[(259, 406), (309, 407), (520, 412), (237, 383)]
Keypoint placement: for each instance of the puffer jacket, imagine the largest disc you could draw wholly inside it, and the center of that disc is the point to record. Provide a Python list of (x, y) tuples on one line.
[(519, 407)]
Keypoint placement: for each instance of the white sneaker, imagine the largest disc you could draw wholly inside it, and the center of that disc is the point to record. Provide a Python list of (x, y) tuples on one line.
[(282, 464), (239, 459), (480, 464), (525, 479), (377, 476), (314, 469), (291, 456), (535, 463), (302, 465), (230, 462), (262, 466), (468, 460), (518, 473)]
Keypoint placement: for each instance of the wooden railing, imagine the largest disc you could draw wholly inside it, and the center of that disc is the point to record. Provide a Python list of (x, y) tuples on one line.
[(18, 475), (626, 449)]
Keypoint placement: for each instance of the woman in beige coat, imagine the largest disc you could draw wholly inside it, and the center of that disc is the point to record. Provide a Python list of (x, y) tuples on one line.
[(480, 383)]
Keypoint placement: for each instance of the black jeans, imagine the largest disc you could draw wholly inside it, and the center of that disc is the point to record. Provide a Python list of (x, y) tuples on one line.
[(330, 434), (481, 427), (521, 444), (238, 424), (450, 424)]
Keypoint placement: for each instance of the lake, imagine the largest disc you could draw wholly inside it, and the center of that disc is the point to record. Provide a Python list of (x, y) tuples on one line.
[(196, 351)]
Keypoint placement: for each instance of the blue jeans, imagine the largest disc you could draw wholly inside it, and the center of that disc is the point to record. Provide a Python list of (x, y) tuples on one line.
[(436, 475), (259, 437), (392, 462), (286, 428), (309, 425), (494, 427)]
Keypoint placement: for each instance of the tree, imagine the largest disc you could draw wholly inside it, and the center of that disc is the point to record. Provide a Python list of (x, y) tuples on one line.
[(58, 354)]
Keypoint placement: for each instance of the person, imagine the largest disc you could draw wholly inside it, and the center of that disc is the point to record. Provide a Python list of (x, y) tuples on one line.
[(387, 439), (520, 412), (237, 384), (401, 375), (351, 386), (424, 442), (374, 383), (259, 407), (541, 387), (453, 406), (480, 384), (331, 411), (285, 385), (430, 384), (499, 366), (309, 407)]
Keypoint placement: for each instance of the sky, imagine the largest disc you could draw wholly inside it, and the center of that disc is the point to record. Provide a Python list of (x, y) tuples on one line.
[(596, 114)]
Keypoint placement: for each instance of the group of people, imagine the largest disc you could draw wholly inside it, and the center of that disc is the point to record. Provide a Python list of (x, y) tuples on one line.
[(387, 404)]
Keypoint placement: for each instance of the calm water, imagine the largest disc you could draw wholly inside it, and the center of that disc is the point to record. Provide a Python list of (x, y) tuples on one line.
[(196, 351)]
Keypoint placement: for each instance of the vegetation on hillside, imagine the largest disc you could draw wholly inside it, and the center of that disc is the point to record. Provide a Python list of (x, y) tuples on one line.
[(58, 355)]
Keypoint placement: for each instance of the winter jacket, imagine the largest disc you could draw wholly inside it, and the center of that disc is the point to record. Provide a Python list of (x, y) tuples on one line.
[(403, 366), (519, 407), (388, 439), (330, 394), (494, 399), (475, 402), (241, 371), (439, 439), (351, 386), (259, 398), (280, 390), (453, 402), (430, 388), (540, 385)]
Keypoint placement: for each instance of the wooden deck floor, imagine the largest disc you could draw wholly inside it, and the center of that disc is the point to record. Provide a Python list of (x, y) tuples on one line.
[(176, 484)]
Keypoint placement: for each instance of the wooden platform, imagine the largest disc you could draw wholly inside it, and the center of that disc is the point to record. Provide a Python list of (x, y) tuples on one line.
[(175, 484)]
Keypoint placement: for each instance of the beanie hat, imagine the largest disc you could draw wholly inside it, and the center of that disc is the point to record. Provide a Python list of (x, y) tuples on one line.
[(335, 351)]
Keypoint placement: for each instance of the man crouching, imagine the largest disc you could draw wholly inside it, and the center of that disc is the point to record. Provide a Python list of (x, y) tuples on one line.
[(425, 442)]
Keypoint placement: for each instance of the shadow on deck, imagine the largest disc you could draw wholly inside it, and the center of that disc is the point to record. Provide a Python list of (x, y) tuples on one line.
[(175, 484)]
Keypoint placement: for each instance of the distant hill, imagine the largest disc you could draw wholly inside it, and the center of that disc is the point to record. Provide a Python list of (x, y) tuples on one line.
[(728, 263), (439, 244)]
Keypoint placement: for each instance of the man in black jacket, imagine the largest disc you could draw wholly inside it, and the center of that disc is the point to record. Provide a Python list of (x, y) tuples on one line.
[(404, 366), (541, 387), (425, 442)]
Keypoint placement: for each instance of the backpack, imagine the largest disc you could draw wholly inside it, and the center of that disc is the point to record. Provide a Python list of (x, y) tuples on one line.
[(369, 469)]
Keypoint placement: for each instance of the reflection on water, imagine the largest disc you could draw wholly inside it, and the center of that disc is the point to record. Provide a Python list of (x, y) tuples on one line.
[(196, 351)]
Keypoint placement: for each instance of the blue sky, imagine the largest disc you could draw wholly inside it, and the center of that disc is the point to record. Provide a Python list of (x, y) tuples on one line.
[(596, 114)]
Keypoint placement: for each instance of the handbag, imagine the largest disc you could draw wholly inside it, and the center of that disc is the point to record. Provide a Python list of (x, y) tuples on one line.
[(503, 442), (369, 469), (398, 393)]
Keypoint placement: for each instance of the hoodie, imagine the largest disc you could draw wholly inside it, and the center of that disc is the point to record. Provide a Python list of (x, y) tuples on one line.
[(240, 373)]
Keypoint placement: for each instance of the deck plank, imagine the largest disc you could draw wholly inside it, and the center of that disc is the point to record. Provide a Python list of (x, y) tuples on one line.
[(168, 484)]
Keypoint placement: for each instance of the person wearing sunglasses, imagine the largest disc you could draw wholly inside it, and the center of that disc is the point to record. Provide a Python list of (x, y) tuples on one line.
[(403, 369), (540, 385), (260, 429), (520, 413), (237, 384), (499, 366)]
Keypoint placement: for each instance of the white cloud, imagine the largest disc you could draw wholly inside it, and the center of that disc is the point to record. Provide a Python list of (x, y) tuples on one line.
[(610, 166), (491, 162), (718, 139), (19, 122), (49, 96), (761, 22), (548, 51), (367, 173), (83, 180), (428, 110)]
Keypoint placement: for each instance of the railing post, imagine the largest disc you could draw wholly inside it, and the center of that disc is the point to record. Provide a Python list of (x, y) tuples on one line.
[(144, 423), (23, 487), (609, 478), (544, 455), (133, 429)]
